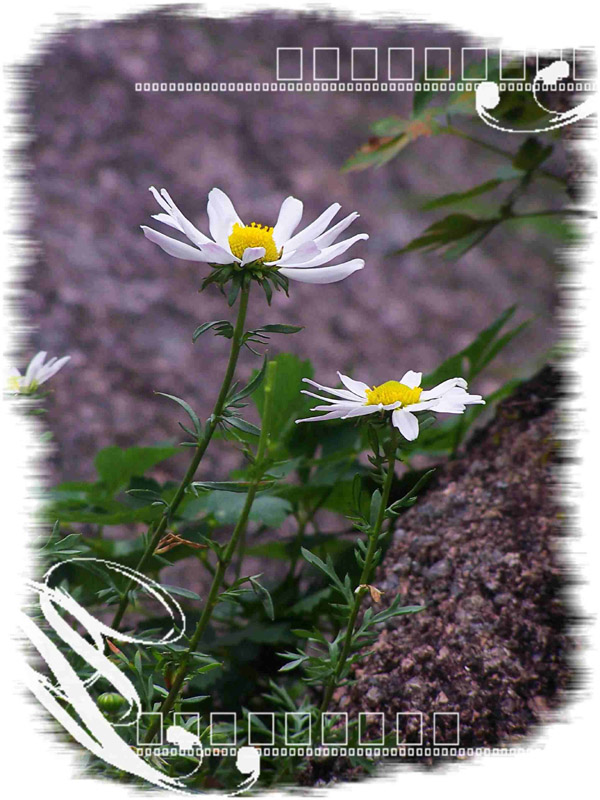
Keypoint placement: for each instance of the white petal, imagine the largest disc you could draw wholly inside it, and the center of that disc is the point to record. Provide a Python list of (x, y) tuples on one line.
[(215, 254), (442, 388), (54, 368), (172, 246), (361, 411), (444, 406), (298, 257), (160, 200), (336, 414), (329, 253), (222, 217), (288, 220), (323, 274), (329, 237), (315, 228), (357, 387), (411, 379), (343, 393), (252, 254), (407, 423), (456, 403), (333, 400), (344, 406), (166, 219), (424, 406), (193, 234), (34, 367)]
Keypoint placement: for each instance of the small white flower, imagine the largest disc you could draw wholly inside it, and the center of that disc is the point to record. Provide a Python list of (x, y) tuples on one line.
[(298, 256), (403, 398), (36, 373)]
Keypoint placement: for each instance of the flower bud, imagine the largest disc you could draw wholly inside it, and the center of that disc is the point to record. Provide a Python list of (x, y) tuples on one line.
[(111, 702)]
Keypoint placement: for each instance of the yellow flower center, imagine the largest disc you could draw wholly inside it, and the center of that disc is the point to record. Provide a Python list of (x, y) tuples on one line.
[(253, 235), (393, 392), (14, 383)]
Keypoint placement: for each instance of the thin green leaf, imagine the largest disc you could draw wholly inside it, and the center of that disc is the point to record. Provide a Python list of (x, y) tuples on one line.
[(187, 408)]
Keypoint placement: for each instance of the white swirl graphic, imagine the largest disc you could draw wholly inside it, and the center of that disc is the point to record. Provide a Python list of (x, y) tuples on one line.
[(93, 731), (487, 96)]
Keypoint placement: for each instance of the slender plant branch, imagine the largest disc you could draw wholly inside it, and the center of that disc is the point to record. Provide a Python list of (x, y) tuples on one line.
[(211, 426), (450, 129), (260, 466), (554, 212), (366, 573)]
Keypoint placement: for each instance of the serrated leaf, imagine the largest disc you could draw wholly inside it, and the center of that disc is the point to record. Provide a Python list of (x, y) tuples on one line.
[(181, 592), (187, 408), (222, 328), (531, 154), (459, 197), (254, 383), (227, 486), (374, 507), (409, 498), (264, 595), (452, 228), (242, 425), (280, 328)]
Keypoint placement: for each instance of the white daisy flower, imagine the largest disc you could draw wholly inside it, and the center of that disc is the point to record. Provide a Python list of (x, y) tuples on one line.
[(299, 256), (36, 373), (403, 398)]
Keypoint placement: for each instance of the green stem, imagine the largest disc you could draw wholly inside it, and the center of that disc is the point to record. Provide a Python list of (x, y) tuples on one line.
[(227, 556), (366, 573), (211, 426), (450, 129), (553, 212)]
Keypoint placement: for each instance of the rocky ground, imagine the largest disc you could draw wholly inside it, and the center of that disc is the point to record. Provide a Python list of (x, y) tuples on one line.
[(481, 550)]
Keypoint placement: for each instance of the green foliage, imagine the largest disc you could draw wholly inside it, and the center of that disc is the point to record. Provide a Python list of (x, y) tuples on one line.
[(460, 197), (290, 403), (459, 232), (116, 467)]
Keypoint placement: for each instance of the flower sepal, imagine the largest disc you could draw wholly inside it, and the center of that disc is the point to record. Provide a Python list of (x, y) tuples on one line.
[(237, 276)]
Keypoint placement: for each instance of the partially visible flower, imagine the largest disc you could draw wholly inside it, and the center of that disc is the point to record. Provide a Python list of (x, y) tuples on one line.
[(403, 398), (298, 256), (36, 373)]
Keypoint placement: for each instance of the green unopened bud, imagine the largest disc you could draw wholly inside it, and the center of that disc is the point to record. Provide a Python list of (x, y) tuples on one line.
[(111, 702)]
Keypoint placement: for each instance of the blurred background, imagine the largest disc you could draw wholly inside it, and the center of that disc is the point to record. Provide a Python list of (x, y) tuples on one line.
[(125, 311)]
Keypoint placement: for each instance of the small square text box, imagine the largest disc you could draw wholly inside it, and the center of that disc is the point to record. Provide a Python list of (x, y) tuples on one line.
[(332, 732), (149, 718), (289, 63), (409, 728), (438, 65), (371, 728), (326, 63), (261, 727), (446, 728), (297, 727), (474, 63), (364, 63), (512, 65), (223, 728), (401, 63)]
